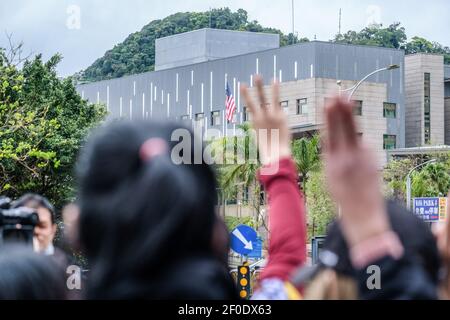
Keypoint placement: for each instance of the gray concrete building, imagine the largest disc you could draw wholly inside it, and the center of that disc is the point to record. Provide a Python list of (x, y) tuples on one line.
[(190, 85), (424, 90)]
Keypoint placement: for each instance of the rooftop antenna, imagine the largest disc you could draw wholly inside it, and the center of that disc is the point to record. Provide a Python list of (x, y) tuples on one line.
[(340, 20), (293, 18)]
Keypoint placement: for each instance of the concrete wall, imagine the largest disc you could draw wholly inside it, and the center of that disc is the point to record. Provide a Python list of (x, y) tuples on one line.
[(415, 68), (209, 44), (371, 123)]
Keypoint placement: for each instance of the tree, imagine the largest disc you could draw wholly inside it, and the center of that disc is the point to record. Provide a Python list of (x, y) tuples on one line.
[(392, 36), (320, 207), (431, 180), (421, 45), (306, 156), (234, 175), (43, 123)]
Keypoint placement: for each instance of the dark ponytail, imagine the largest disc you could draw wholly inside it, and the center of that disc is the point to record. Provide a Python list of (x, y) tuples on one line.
[(140, 218)]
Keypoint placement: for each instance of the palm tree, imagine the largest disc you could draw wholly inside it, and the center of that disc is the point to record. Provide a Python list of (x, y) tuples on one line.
[(306, 156), (234, 177)]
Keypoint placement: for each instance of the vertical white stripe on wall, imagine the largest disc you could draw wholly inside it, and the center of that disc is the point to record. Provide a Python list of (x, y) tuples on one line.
[(131, 109), (192, 77), (162, 97), (176, 88), (296, 70), (134, 88), (280, 77), (251, 81), (257, 65), (143, 105), (202, 98), (211, 91), (82, 94), (98, 97), (156, 93), (120, 107), (188, 102), (107, 98), (312, 71), (274, 67), (151, 99)]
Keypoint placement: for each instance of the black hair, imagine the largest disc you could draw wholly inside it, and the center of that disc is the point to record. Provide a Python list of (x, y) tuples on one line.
[(416, 237), (146, 226), (26, 275), (36, 201)]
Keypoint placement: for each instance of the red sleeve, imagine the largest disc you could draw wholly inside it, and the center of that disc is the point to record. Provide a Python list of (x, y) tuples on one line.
[(287, 222)]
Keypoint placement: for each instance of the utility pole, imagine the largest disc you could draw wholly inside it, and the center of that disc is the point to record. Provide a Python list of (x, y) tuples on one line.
[(340, 20), (293, 18)]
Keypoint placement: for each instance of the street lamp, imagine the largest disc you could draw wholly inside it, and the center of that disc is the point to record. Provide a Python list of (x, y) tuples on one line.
[(408, 182), (356, 86)]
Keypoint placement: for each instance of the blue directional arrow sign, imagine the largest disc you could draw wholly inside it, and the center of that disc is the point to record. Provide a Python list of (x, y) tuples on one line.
[(243, 239)]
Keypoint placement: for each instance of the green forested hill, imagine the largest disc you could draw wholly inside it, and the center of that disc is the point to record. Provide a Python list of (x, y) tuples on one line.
[(137, 53)]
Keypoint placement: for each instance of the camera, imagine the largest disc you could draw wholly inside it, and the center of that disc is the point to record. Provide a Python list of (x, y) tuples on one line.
[(17, 224)]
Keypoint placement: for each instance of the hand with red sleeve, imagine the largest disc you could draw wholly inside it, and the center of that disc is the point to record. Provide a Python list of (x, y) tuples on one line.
[(287, 223)]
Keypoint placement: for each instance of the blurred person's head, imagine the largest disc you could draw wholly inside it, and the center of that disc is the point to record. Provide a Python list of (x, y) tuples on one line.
[(147, 225), (26, 275), (335, 278), (45, 230)]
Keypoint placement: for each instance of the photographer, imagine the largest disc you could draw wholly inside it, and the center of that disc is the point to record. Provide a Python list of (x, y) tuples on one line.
[(45, 230)]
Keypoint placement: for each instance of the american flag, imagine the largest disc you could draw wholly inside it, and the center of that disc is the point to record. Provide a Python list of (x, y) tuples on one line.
[(229, 104)]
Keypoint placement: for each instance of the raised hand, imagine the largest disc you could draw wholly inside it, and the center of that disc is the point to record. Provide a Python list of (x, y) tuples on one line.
[(352, 176), (270, 123)]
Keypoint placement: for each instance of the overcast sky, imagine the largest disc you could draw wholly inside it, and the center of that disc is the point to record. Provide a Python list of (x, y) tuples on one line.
[(50, 26)]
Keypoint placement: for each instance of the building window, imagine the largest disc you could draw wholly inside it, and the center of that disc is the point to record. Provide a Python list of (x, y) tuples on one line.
[(215, 118), (427, 107), (285, 106), (302, 106), (389, 141), (357, 107), (389, 110)]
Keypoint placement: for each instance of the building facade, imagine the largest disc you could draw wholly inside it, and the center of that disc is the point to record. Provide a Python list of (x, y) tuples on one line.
[(425, 113), (308, 73)]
